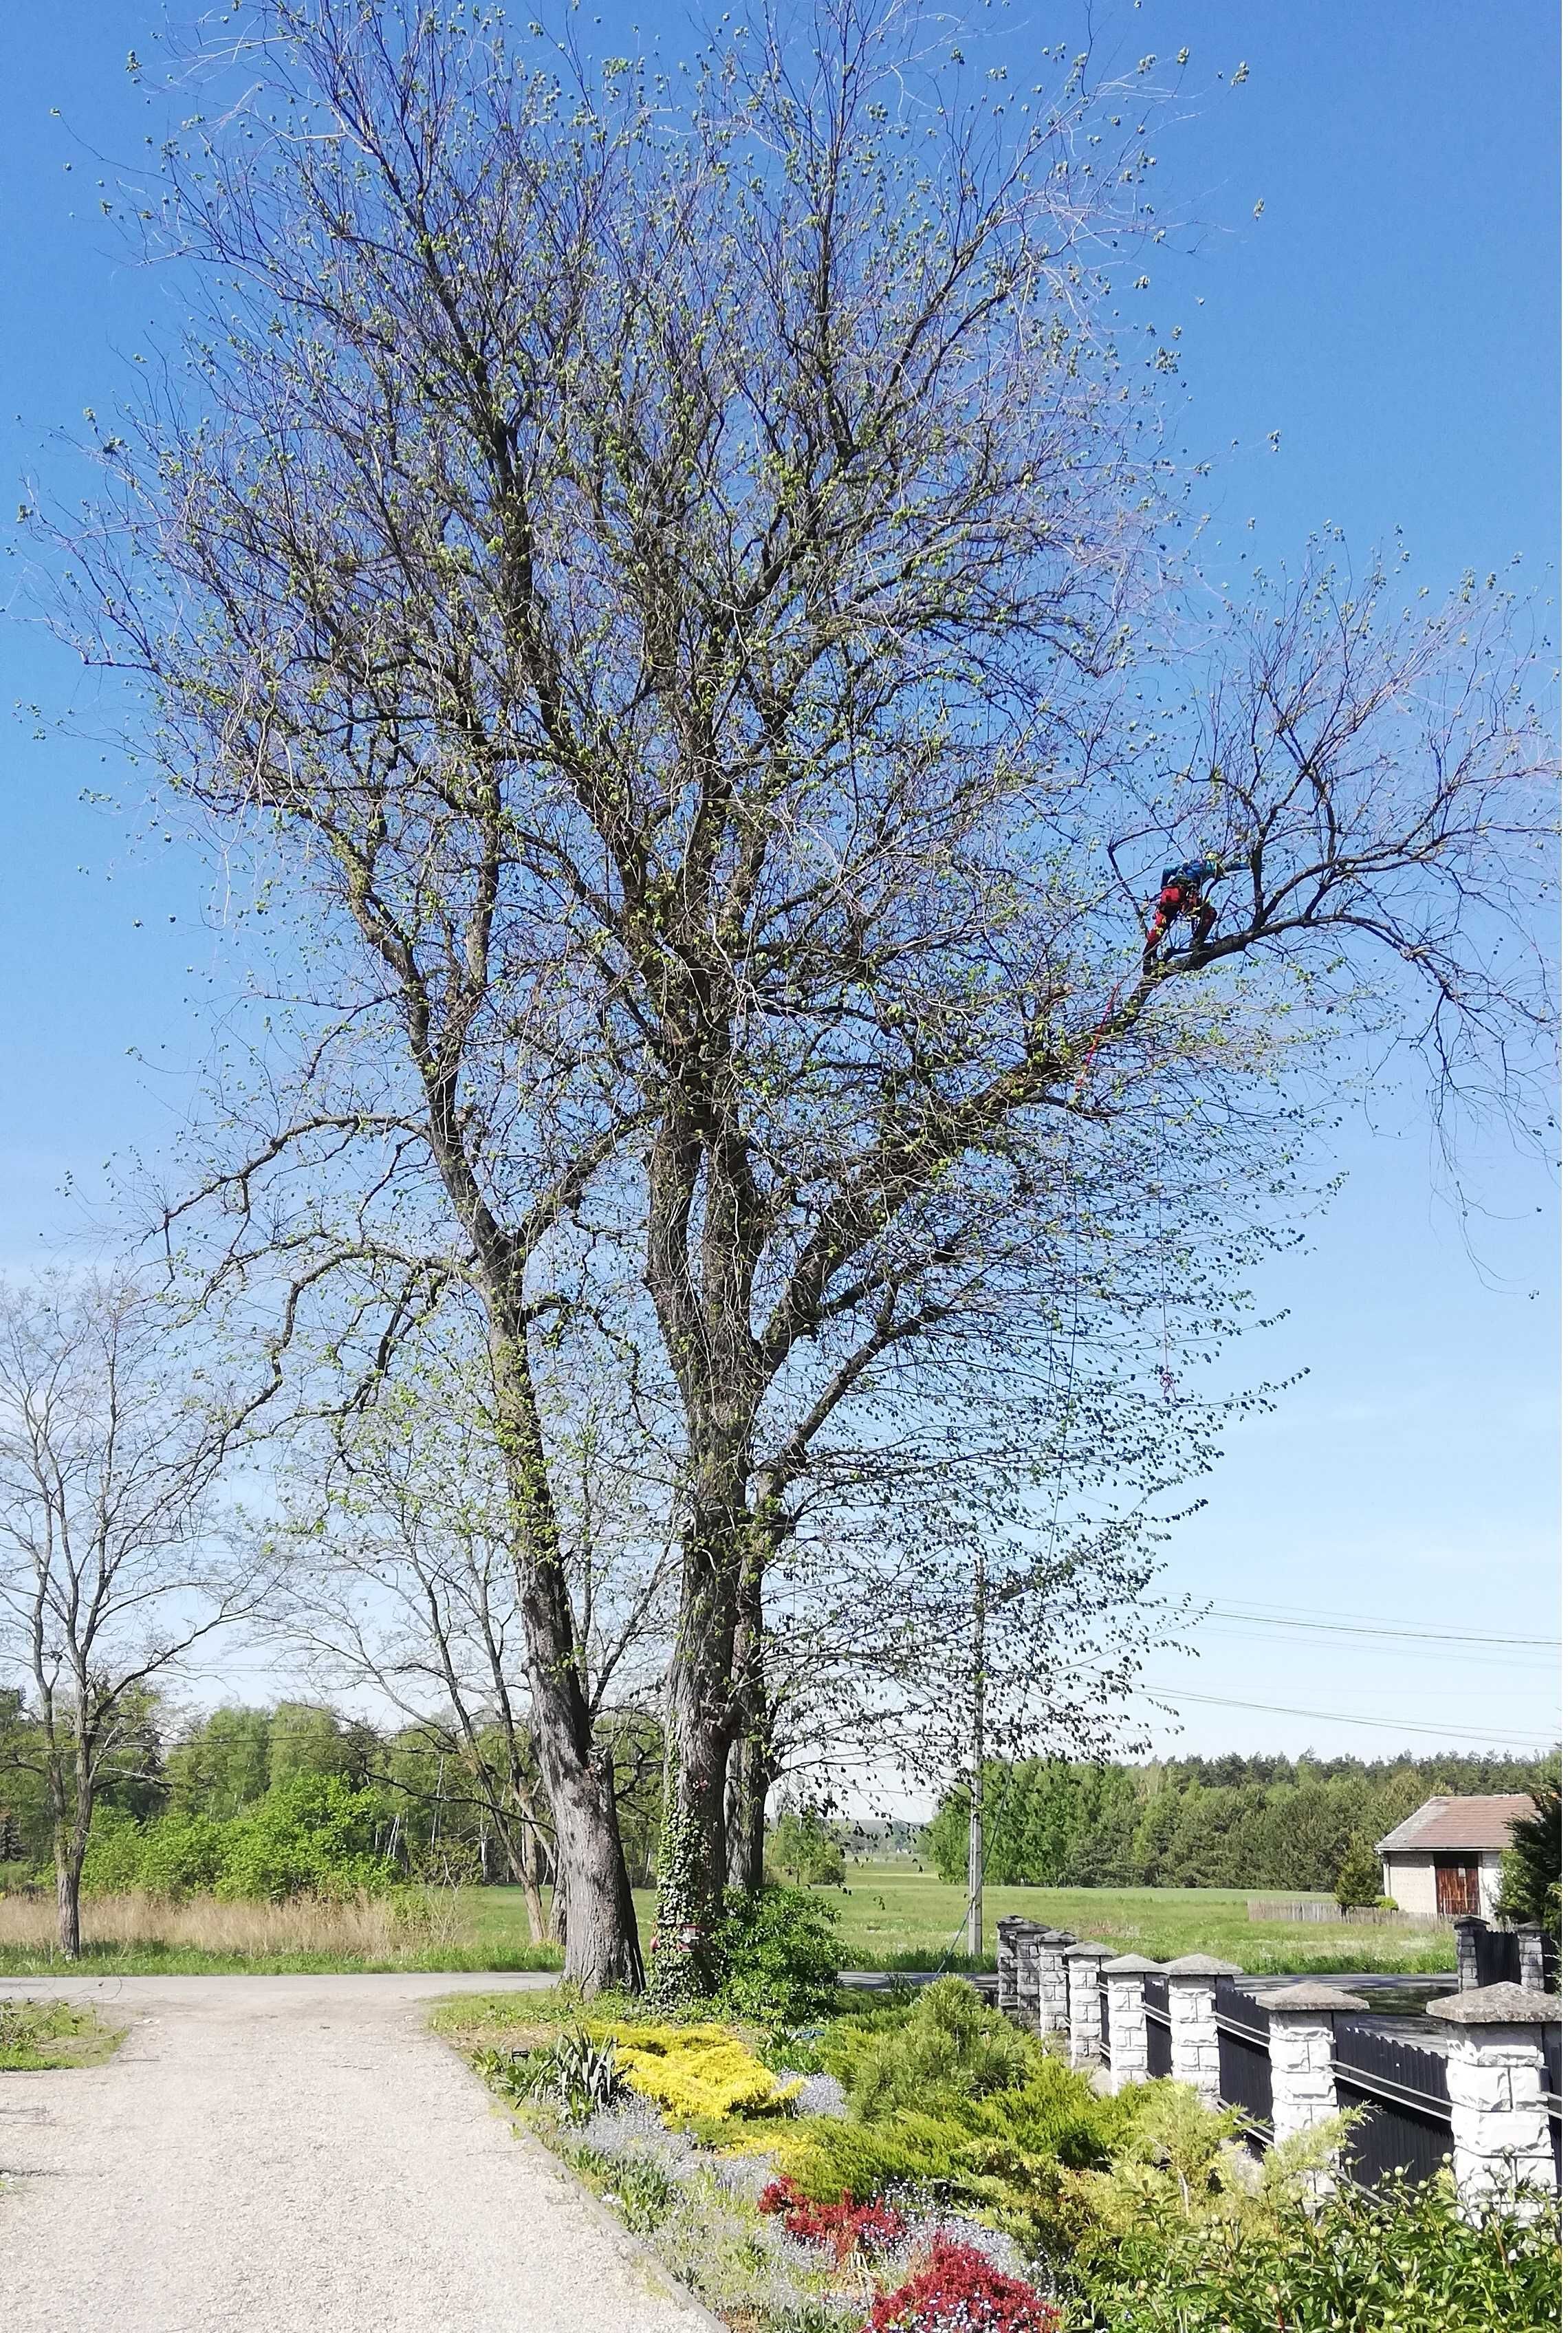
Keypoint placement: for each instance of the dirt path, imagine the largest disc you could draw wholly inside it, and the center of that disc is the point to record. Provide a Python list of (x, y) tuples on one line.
[(275, 2153)]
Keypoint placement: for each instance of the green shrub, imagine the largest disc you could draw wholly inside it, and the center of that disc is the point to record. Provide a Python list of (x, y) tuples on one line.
[(173, 1855), (182, 1854), (777, 1953), (312, 1835), (950, 2047), (1401, 2257), (829, 2159), (1533, 1864), (1002, 2154)]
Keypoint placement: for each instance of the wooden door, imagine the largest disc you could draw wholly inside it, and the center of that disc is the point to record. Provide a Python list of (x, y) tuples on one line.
[(1458, 1882)]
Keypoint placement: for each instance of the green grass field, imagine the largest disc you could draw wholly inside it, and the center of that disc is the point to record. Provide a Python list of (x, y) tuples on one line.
[(894, 1916), (891, 1917)]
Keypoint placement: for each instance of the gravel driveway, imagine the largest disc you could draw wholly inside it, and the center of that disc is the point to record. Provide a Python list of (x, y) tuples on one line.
[(276, 2153)]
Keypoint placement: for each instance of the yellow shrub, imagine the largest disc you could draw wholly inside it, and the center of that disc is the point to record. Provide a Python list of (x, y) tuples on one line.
[(694, 2072)]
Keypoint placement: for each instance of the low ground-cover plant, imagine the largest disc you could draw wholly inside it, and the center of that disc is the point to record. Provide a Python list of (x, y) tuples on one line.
[(956, 2290), (39, 2036), (699, 2073), (841, 2228), (645, 2192)]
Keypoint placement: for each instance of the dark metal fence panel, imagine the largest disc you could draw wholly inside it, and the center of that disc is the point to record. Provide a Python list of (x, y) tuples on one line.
[(1246, 2079), (1391, 2064), (1389, 2139), (1160, 2056), (1105, 2021), (1157, 2025), (1496, 1956), (1241, 2008), (1401, 2093)]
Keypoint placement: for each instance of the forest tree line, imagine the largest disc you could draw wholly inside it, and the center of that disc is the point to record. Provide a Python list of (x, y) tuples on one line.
[(1263, 1823)]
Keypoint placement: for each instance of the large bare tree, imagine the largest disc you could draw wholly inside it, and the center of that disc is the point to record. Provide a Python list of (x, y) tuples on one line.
[(118, 1560), (677, 577)]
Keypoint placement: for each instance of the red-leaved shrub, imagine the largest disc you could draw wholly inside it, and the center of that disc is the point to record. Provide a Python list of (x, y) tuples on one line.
[(844, 2227), (958, 2292)]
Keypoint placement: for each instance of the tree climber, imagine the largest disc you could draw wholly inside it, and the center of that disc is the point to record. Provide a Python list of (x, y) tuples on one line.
[(1181, 899)]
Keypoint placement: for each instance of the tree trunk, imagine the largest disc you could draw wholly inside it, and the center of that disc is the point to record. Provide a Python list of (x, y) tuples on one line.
[(601, 1933), (745, 1823), (699, 1726), (70, 1853), (526, 1853), (750, 1755), (533, 1883)]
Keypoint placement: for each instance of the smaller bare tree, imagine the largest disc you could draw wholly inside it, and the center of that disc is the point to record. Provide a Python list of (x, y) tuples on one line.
[(402, 1580), (118, 1553)]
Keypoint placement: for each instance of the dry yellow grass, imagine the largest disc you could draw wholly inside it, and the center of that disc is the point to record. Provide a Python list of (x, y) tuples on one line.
[(365, 1928)]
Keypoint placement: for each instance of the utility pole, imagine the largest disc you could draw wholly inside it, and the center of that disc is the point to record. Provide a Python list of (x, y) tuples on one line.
[(977, 1759)]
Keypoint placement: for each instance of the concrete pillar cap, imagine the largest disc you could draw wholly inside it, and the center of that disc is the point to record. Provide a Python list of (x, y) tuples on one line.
[(1133, 1965), (1306, 2000), (1089, 1953), (1201, 1964), (1498, 2004)]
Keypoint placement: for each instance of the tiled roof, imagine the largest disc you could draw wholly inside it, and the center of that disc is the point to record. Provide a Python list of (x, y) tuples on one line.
[(1465, 1826)]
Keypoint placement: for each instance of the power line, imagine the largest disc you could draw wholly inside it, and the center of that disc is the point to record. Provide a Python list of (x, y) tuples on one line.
[(1341, 1717), (1281, 1616), (1543, 1664)]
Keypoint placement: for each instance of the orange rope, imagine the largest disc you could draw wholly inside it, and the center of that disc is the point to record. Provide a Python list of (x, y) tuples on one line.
[(1110, 1015)]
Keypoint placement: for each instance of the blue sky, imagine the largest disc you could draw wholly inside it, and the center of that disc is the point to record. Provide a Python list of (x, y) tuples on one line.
[(1393, 314)]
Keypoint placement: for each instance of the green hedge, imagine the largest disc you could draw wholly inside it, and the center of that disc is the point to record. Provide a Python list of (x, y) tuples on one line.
[(311, 1836)]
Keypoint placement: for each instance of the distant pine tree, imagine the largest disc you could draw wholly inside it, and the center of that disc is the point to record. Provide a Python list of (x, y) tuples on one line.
[(1360, 1878), (1532, 1866)]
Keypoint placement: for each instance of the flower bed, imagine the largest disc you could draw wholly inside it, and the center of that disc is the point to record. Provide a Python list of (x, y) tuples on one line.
[(723, 2144), (924, 2168)]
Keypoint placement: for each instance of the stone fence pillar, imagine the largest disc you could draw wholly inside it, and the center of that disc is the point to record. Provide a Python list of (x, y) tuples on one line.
[(1498, 2095), (1084, 2001), (1301, 2053), (1192, 1984), (1051, 1966), (1027, 1941), (1007, 1961), (1467, 1931), (1129, 2022), (1532, 1959)]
